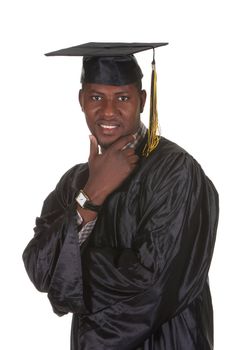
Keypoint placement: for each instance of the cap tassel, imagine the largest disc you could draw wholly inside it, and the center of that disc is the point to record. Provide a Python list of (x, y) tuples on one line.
[(153, 137)]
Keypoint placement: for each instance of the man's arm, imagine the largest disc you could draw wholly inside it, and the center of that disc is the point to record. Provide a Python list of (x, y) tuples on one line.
[(52, 257), (106, 172)]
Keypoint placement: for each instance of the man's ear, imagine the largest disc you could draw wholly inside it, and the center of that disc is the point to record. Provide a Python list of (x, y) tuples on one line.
[(80, 97), (142, 100)]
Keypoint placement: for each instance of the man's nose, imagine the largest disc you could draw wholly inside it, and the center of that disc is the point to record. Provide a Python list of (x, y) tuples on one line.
[(109, 109)]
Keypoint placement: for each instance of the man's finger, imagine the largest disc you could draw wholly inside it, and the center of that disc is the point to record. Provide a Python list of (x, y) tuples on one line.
[(93, 147), (133, 159), (123, 141), (128, 151)]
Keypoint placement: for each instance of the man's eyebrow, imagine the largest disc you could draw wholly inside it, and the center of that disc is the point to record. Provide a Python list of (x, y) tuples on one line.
[(122, 92), (93, 91)]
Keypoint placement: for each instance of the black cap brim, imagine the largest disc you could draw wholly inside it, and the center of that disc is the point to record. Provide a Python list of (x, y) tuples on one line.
[(105, 49)]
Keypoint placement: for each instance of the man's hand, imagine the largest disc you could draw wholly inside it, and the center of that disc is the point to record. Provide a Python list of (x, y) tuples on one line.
[(108, 170)]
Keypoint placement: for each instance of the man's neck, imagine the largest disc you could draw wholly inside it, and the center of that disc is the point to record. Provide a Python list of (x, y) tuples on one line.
[(138, 137)]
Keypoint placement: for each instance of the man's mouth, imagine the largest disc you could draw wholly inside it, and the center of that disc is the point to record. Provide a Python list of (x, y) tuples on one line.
[(108, 127)]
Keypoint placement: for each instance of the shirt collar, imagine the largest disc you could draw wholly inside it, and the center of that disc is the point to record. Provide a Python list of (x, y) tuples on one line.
[(138, 136)]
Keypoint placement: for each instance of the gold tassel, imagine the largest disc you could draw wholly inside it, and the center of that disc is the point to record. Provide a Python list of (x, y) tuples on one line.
[(153, 137)]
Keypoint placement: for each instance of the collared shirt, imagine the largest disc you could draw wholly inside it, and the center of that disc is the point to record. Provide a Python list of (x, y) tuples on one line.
[(87, 229)]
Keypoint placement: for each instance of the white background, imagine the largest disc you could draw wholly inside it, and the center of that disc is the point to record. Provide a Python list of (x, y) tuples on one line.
[(43, 132)]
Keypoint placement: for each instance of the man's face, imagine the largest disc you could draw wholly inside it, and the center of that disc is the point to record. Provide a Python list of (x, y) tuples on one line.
[(111, 111)]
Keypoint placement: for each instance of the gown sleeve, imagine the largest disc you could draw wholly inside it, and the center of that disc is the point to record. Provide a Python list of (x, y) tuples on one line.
[(123, 294), (52, 257)]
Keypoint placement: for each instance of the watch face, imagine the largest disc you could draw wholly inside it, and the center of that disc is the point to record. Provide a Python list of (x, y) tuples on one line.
[(81, 199), (85, 202)]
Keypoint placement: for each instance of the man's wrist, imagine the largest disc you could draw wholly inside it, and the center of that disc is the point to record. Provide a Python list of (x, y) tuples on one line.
[(97, 196), (86, 215)]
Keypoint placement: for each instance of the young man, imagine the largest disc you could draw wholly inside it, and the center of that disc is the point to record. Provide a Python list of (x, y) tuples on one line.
[(125, 241)]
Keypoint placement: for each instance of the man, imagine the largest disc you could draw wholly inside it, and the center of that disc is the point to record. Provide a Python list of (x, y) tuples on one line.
[(125, 241)]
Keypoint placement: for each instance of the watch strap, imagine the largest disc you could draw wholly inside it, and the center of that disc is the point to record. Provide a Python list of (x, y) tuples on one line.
[(89, 205)]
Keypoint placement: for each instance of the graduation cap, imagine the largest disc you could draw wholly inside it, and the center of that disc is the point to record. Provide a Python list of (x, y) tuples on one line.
[(115, 64)]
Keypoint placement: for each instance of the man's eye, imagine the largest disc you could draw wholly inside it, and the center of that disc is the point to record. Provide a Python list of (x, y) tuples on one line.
[(96, 98), (123, 98)]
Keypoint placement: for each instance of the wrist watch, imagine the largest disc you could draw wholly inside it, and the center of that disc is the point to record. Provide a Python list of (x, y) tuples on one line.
[(84, 201)]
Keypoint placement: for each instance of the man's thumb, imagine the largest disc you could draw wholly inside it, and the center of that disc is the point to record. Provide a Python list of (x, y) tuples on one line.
[(93, 147)]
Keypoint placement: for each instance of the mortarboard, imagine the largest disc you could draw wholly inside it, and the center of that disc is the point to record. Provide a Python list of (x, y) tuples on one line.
[(115, 64)]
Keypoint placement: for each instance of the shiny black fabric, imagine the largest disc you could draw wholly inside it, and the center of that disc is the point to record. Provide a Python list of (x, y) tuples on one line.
[(117, 71), (140, 281)]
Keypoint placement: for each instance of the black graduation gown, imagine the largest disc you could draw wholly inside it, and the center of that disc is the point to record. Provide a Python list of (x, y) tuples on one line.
[(140, 280)]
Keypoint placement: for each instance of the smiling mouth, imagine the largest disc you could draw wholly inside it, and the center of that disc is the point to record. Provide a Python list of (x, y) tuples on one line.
[(108, 127)]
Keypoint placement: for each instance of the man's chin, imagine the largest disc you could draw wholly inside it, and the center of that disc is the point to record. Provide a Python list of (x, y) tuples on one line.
[(106, 142), (105, 145)]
